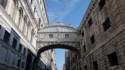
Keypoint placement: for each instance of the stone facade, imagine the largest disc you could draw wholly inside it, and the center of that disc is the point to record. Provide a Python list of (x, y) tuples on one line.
[(20, 21), (102, 37)]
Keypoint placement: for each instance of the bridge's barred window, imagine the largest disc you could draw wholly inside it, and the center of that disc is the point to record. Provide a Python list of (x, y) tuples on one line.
[(112, 58), (106, 24), (50, 35), (6, 37), (66, 35), (92, 39), (101, 4), (14, 43), (95, 65)]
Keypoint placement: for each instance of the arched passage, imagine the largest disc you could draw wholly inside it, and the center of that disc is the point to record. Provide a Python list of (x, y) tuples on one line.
[(53, 46)]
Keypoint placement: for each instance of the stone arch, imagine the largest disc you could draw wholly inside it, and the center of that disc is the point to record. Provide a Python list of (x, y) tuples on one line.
[(53, 46)]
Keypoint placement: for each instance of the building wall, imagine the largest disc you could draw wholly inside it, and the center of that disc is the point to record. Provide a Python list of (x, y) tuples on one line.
[(18, 30), (102, 34)]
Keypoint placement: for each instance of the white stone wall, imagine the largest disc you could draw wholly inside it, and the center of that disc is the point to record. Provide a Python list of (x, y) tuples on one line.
[(21, 20)]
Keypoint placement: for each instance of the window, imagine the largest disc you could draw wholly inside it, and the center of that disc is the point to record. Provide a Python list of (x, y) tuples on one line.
[(22, 64), (39, 21), (24, 51), (90, 22), (34, 9), (113, 59), (85, 67), (95, 65), (106, 25), (31, 1), (3, 3), (6, 37), (13, 62), (101, 4), (25, 19), (20, 48), (66, 35), (84, 48), (14, 43), (82, 33), (0, 26), (92, 39), (0, 29), (80, 68), (50, 35), (18, 63), (51, 50)]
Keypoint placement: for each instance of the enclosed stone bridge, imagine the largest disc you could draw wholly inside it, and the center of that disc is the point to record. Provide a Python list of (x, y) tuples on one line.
[(57, 36)]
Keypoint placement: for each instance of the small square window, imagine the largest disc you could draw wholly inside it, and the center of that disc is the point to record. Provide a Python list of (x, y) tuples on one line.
[(50, 35), (113, 59), (101, 4), (90, 22), (106, 25), (66, 35), (92, 39)]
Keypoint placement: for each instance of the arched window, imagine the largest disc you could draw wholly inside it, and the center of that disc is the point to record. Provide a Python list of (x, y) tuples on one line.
[(11, 8), (3, 3), (25, 25), (20, 17)]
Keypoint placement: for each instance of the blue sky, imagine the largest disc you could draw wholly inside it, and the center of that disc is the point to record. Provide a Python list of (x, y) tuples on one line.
[(66, 11)]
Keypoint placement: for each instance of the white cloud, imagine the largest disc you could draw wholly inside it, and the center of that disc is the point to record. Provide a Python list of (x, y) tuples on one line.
[(59, 13)]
